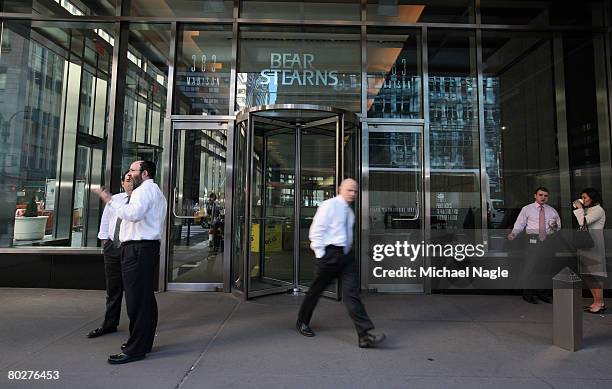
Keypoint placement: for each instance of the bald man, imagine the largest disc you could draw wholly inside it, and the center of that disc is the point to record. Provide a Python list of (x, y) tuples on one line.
[(331, 239)]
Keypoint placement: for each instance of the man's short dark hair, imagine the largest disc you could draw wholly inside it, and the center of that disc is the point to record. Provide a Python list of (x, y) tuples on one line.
[(541, 188), (149, 167), (124, 174)]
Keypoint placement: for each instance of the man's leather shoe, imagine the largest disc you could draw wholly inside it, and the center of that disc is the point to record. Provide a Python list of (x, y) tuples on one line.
[(530, 299), (370, 340), (304, 329), (546, 299), (118, 359), (124, 346), (100, 331)]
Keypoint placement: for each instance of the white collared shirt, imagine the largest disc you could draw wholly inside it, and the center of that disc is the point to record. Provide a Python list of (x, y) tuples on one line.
[(109, 218), (529, 219), (329, 226), (143, 217)]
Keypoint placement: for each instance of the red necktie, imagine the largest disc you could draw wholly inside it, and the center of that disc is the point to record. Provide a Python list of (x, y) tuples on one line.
[(542, 224)]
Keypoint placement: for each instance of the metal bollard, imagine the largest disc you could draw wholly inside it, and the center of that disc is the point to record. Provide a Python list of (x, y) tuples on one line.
[(567, 310)]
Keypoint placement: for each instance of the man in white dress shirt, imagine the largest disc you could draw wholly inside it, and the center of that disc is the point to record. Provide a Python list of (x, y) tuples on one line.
[(109, 235), (141, 231), (331, 237), (539, 221)]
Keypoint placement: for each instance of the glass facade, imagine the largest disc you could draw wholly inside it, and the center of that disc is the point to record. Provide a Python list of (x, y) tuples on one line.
[(465, 107)]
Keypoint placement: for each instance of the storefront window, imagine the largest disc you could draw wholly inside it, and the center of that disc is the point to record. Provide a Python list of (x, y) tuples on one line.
[(60, 7), (203, 70), (301, 10), (299, 65), (146, 90), (55, 92), (420, 11), (454, 145), (394, 73), (542, 13), (543, 117), (181, 8)]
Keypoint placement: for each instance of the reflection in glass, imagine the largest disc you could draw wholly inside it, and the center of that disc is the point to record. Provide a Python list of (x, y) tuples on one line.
[(394, 74), (239, 211), (395, 202), (182, 8), (301, 10), (196, 253), (272, 228), (145, 94), (53, 83), (318, 183), (203, 70), (420, 11), (299, 65), (454, 137), (542, 13)]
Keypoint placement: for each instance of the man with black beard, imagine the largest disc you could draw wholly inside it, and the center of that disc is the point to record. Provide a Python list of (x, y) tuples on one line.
[(141, 231)]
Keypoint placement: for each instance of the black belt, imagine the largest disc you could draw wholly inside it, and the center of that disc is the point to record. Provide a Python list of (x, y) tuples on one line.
[(143, 241)]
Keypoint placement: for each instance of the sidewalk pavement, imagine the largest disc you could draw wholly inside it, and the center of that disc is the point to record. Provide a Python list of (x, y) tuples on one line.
[(212, 340)]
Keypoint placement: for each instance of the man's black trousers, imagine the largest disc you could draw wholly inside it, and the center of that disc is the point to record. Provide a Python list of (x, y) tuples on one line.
[(138, 262), (114, 285), (334, 264)]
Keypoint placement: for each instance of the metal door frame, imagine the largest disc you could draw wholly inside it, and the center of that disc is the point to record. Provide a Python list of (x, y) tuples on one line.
[(424, 207), (223, 123), (337, 115)]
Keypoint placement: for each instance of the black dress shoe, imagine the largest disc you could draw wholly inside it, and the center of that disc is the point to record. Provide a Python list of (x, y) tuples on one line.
[(118, 359), (530, 299), (371, 340), (304, 329), (100, 331)]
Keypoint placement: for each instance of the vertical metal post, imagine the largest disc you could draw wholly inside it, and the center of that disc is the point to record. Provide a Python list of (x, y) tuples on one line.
[(425, 154), (484, 178), (112, 173), (563, 142), (166, 184), (297, 212), (567, 310)]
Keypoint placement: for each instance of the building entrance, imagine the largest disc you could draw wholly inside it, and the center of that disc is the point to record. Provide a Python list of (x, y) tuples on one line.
[(289, 159)]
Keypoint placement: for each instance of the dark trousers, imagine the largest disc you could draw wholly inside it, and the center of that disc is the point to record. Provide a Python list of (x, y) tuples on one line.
[(536, 267), (138, 261), (114, 285), (335, 264)]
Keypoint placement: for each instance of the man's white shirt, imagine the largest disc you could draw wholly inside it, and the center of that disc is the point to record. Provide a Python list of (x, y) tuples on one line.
[(329, 226), (108, 223), (143, 217)]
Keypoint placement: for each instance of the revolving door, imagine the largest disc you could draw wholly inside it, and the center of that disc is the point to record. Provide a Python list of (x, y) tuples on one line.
[(288, 160)]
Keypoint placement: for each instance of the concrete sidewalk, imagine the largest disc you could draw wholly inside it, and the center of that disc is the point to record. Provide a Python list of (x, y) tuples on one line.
[(212, 340)]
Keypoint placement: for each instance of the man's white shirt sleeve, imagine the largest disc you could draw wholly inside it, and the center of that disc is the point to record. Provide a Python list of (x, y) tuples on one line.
[(318, 229)]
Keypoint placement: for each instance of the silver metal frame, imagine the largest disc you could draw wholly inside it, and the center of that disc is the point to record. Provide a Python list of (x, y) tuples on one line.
[(249, 115), (176, 126)]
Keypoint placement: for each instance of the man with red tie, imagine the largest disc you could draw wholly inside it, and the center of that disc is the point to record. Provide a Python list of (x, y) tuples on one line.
[(539, 221)]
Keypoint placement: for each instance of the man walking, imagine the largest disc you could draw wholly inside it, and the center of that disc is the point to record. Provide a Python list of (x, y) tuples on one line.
[(141, 230), (109, 235), (331, 237), (539, 221)]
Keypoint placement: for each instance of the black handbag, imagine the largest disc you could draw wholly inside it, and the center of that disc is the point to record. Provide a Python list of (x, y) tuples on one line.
[(581, 239)]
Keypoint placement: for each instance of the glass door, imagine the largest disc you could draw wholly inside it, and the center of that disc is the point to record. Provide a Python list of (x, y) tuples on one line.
[(288, 160), (394, 213), (197, 217)]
